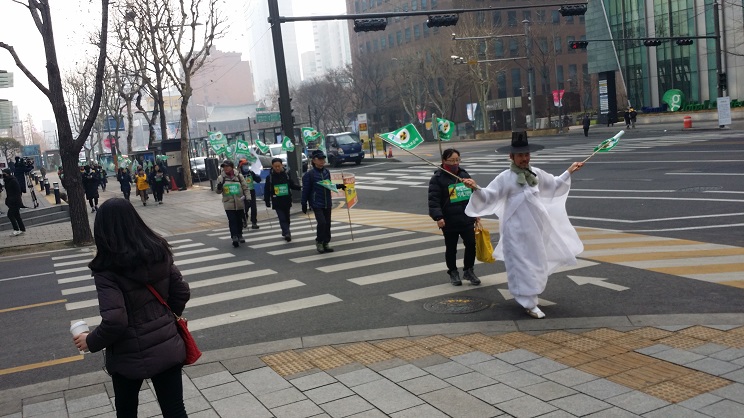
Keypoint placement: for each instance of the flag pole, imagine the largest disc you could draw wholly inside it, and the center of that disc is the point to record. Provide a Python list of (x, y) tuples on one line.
[(310, 222), (424, 160), (268, 217), (603, 145)]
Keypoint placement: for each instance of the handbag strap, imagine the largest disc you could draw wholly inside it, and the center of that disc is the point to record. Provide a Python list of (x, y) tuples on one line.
[(157, 295)]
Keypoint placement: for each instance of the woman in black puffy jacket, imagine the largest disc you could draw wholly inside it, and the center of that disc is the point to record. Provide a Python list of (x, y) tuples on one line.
[(139, 333), (448, 197)]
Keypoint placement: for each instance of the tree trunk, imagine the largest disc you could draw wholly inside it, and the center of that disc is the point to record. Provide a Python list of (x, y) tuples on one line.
[(72, 181), (185, 161)]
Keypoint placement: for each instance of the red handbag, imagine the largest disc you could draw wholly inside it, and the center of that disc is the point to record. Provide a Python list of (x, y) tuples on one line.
[(192, 351)]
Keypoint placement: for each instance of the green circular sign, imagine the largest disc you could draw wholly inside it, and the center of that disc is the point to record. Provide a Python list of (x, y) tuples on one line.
[(674, 98)]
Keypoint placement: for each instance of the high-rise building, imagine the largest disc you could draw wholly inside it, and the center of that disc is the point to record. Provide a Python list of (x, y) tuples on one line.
[(331, 45), (224, 80), (643, 74), (309, 70), (262, 48)]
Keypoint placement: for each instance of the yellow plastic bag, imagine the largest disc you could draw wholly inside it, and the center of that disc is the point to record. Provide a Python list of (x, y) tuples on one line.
[(483, 247)]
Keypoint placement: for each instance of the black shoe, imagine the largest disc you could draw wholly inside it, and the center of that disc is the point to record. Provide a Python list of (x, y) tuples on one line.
[(470, 276), (254, 226), (235, 242), (455, 278), (328, 248), (241, 240), (288, 238), (319, 247)]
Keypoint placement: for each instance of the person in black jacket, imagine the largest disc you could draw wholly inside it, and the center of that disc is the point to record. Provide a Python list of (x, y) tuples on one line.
[(157, 180), (20, 169), (14, 202), (278, 193), (139, 333), (448, 197), (125, 180), (91, 180), (319, 199)]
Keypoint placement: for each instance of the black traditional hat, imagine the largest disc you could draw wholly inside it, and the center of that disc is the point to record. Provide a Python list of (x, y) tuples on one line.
[(519, 145)]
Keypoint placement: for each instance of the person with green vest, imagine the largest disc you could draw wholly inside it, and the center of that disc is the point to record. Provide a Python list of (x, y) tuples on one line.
[(251, 178)]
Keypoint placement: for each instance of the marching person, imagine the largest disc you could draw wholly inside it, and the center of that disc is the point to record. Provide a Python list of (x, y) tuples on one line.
[(125, 180), (14, 202), (278, 194), (448, 197), (536, 236), (142, 185), (318, 198), (251, 178), (158, 180), (585, 123), (633, 117), (91, 181), (234, 190), (139, 333), (102, 177)]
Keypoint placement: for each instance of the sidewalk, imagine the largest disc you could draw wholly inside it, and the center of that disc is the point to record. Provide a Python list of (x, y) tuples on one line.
[(651, 366)]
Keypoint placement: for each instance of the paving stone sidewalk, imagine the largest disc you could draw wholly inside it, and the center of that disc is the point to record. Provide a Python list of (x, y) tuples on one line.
[(649, 366)]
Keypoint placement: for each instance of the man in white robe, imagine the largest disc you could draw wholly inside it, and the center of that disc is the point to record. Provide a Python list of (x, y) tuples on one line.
[(536, 236)]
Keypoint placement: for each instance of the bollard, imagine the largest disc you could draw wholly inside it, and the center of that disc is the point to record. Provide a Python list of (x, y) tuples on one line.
[(57, 200), (687, 122), (41, 184), (46, 187)]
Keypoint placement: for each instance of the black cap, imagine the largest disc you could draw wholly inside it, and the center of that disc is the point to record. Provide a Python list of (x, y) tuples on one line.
[(226, 163), (317, 154), (6, 170)]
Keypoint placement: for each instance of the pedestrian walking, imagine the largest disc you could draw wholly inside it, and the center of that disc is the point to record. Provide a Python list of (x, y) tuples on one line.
[(125, 181), (448, 197), (278, 194), (234, 190), (138, 332), (536, 236), (157, 180), (142, 185), (102, 176), (91, 180), (633, 116), (626, 116), (14, 202), (317, 197), (585, 123), (251, 179)]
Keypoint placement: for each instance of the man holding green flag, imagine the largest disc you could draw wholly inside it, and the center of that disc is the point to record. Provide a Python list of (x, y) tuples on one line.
[(316, 193)]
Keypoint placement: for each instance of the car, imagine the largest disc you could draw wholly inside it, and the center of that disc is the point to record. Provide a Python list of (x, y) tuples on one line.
[(344, 147), (276, 151), (198, 169)]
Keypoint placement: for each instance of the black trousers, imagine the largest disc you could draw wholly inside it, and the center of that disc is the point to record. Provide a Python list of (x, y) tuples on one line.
[(168, 388), (283, 216), (157, 193), (127, 193), (235, 222), (450, 242), (252, 208), (14, 215), (93, 201), (323, 217), (586, 131)]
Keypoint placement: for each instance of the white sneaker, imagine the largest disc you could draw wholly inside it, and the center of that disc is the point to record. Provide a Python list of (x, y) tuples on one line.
[(536, 313), (16, 233)]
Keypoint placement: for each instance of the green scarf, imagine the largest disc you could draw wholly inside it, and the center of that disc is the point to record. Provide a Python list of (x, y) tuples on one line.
[(524, 176)]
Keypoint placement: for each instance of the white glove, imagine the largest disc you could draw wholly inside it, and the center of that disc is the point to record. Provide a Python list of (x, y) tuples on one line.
[(242, 197)]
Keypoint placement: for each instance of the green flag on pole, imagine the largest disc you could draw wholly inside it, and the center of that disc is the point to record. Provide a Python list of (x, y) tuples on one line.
[(261, 146), (230, 152), (406, 138), (218, 142), (609, 143), (287, 144), (310, 134), (445, 128), (328, 185)]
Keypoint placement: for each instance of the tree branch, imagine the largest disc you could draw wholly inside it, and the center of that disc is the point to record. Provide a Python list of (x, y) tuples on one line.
[(25, 70)]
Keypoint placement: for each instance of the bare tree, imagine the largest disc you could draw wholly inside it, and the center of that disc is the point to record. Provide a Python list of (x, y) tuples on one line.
[(9, 147), (191, 45), (69, 147), (367, 82), (78, 86), (410, 84), (445, 82)]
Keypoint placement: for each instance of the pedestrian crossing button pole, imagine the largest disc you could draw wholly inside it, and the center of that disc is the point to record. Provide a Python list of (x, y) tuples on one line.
[(57, 200)]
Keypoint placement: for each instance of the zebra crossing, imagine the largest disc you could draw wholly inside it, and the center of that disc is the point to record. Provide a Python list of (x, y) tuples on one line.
[(230, 287), (417, 175)]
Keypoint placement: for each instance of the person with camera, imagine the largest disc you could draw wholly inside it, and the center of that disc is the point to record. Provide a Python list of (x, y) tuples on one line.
[(14, 202), (91, 181), (22, 167), (318, 197)]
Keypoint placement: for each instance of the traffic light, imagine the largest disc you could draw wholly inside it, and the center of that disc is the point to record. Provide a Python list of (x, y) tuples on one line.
[(578, 44), (573, 10), (435, 21), (652, 42), (686, 41), (370, 25), (723, 81)]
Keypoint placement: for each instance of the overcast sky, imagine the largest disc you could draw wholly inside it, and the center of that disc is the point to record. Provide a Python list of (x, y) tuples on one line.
[(74, 20)]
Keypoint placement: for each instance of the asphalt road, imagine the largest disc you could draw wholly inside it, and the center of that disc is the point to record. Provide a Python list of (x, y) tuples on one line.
[(645, 211)]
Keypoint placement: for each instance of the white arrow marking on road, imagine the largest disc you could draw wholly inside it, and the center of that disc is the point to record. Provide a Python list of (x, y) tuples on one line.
[(597, 281), (508, 296)]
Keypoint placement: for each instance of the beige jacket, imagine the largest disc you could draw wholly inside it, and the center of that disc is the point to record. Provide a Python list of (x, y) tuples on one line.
[(233, 202)]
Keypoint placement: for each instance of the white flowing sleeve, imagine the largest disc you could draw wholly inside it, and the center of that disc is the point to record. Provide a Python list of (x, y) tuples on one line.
[(487, 201)]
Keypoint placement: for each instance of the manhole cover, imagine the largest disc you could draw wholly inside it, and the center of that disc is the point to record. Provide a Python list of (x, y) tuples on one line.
[(457, 305), (700, 189)]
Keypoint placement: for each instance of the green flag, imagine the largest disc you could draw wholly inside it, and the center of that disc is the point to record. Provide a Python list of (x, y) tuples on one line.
[(328, 185), (406, 138), (310, 134), (445, 128), (218, 142), (609, 143), (287, 144), (230, 151), (242, 148), (261, 146)]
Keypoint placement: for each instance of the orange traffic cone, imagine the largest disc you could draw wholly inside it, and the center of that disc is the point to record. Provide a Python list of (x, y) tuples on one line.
[(173, 186), (390, 151)]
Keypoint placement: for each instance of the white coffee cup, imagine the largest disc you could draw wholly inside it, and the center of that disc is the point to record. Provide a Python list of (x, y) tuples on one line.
[(78, 328)]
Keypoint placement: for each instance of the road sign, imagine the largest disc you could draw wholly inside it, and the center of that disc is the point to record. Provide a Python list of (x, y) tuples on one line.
[(268, 117), (363, 128)]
